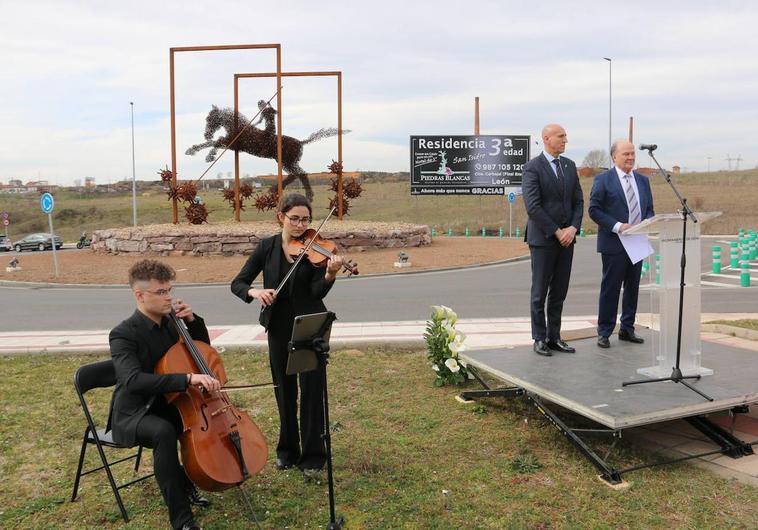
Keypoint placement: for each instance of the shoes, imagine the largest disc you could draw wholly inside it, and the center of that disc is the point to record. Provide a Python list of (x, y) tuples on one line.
[(282, 464), (312, 474), (560, 345), (603, 342), (197, 499), (540, 348), (630, 336), (192, 525)]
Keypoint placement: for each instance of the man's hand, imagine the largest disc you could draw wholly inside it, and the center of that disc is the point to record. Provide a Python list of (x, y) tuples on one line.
[(204, 382), (624, 227), (565, 236), (184, 311), (264, 296)]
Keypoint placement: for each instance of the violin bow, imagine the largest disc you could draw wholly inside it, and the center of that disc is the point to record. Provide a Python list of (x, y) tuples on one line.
[(304, 252)]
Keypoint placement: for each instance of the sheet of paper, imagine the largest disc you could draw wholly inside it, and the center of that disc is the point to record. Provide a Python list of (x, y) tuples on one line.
[(637, 246)]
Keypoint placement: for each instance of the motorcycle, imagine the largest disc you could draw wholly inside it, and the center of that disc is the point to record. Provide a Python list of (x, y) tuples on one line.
[(84, 241)]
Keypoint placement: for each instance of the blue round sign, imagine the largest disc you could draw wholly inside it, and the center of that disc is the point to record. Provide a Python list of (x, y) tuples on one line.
[(47, 202), (511, 197)]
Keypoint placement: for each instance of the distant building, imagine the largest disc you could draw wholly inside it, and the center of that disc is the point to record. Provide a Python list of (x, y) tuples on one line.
[(89, 182)]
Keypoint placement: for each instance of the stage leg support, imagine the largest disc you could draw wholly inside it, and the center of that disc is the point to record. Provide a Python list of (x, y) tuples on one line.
[(730, 444)]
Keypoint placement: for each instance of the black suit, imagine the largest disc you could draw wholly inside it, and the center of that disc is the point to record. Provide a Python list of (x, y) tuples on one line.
[(140, 413), (302, 295), (551, 203)]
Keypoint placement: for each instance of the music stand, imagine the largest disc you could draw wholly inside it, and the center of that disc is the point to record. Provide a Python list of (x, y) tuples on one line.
[(309, 350)]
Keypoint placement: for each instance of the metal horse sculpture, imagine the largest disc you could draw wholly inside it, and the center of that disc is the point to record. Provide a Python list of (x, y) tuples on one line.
[(257, 142)]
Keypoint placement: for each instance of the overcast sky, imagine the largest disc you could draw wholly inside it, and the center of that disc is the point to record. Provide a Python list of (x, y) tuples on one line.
[(686, 70)]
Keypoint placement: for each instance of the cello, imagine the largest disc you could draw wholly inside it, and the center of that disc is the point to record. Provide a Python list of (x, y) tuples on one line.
[(221, 446)]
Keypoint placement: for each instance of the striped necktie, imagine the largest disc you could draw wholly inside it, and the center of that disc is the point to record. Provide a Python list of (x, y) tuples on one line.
[(559, 171), (631, 199)]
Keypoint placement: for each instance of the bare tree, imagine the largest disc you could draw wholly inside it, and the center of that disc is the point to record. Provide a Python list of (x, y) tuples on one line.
[(595, 159)]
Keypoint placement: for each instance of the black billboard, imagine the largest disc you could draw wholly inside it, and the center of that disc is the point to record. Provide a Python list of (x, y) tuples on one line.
[(467, 165)]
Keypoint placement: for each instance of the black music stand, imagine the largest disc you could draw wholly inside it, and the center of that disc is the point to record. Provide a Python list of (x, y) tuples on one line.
[(309, 350)]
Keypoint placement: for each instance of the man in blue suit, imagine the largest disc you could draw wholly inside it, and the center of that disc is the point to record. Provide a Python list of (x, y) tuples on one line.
[(555, 204), (620, 199)]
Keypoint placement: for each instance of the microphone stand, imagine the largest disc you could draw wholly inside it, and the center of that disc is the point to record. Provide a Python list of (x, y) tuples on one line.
[(676, 373)]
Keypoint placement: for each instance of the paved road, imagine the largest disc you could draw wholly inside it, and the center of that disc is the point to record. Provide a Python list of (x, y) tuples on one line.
[(481, 292)]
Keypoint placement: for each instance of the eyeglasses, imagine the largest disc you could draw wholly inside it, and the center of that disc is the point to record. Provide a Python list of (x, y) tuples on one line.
[(160, 292), (296, 220)]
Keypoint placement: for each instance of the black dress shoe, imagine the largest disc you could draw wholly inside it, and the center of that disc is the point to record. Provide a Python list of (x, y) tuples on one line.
[(198, 499), (282, 464), (630, 336), (540, 348), (603, 342), (192, 525), (560, 345)]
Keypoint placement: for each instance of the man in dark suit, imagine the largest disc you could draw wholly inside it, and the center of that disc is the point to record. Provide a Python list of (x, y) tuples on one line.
[(554, 203), (620, 199), (140, 413)]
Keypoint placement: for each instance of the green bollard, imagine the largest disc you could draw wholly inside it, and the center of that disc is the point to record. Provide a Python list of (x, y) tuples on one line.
[(450, 232), (658, 269), (741, 233), (716, 253), (434, 232), (734, 255), (518, 231), (500, 232), (745, 275), (484, 232), (645, 267), (581, 232), (467, 233), (752, 248)]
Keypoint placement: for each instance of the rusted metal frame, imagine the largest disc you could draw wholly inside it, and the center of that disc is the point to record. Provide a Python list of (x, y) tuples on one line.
[(278, 48), (279, 75)]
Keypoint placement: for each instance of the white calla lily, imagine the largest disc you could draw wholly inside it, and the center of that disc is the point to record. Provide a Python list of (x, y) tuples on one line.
[(452, 365)]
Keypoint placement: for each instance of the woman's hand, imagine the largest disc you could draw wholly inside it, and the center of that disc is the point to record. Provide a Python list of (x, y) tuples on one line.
[(333, 266), (265, 296)]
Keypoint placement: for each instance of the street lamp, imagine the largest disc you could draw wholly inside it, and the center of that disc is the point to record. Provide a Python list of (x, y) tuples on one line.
[(610, 110), (134, 173)]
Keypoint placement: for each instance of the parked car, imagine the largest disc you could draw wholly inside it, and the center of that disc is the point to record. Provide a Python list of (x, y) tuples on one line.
[(41, 241), (5, 243)]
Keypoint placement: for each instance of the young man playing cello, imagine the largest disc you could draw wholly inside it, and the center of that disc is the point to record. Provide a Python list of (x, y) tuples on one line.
[(139, 411)]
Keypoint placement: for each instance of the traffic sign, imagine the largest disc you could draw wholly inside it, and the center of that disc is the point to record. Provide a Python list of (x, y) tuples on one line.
[(511, 197), (6, 222), (47, 203), (4, 215)]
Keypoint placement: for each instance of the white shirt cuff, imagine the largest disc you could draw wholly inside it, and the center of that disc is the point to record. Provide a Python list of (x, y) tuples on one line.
[(616, 228)]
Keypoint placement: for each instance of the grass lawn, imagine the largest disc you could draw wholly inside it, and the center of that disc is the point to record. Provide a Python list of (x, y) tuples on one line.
[(749, 324), (399, 443), (734, 193)]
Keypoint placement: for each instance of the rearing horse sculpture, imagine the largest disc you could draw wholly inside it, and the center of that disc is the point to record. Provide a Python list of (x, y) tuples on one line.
[(258, 143)]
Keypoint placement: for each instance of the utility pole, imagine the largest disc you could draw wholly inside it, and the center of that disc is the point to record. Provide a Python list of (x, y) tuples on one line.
[(134, 173)]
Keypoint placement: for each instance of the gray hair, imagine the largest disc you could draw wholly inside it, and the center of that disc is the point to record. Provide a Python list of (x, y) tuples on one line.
[(615, 145)]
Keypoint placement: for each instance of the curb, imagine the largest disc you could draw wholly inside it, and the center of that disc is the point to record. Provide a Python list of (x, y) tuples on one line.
[(735, 331), (49, 285)]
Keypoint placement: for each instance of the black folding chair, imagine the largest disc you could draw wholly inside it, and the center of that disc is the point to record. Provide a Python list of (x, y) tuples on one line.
[(101, 375)]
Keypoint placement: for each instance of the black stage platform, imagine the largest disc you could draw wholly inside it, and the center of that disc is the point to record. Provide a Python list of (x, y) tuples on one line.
[(589, 384)]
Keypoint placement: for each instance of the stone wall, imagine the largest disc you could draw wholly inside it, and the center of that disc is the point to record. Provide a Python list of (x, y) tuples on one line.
[(228, 239)]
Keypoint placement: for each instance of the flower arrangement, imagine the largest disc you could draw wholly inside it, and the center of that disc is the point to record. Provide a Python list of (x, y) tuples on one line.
[(444, 343)]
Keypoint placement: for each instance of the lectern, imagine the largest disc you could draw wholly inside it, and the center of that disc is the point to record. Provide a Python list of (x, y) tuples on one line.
[(669, 228)]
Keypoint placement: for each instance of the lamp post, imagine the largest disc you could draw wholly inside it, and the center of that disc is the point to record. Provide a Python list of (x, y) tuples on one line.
[(134, 173), (610, 109)]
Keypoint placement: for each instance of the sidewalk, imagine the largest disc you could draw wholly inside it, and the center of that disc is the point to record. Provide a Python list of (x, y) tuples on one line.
[(674, 438)]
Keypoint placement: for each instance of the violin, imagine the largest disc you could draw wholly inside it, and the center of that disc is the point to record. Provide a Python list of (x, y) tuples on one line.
[(318, 251), (221, 446)]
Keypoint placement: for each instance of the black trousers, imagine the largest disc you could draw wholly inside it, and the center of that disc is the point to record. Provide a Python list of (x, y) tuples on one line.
[(618, 270), (551, 271), (159, 429), (311, 427)]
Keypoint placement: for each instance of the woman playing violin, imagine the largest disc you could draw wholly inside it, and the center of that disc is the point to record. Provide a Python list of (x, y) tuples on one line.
[(300, 445)]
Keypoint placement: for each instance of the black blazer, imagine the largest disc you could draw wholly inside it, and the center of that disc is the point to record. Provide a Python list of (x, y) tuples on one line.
[(550, 208), (136, 384), (267, 257)]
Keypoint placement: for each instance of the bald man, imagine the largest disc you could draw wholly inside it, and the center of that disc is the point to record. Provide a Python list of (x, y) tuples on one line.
[(620, 198), (555, 204)]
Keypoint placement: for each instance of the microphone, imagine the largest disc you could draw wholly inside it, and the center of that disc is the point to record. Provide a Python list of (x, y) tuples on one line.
[(648, 147)]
